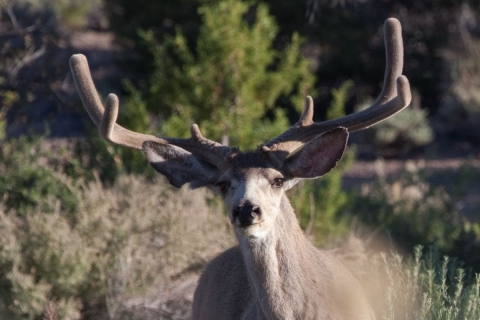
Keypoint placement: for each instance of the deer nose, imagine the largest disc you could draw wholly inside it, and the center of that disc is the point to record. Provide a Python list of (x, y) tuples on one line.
[(246, 213)]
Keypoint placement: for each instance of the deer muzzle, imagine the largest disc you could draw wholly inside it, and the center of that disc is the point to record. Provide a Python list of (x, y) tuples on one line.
[(246, 214)]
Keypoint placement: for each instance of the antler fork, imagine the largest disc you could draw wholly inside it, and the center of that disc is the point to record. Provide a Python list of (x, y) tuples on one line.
[(394, 97), (105, 119)]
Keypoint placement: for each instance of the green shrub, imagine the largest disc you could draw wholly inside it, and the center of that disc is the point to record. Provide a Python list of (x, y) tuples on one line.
[(320, 202), (29, 187), (401, 133), (25, 185), (230, 83), (425, 287)]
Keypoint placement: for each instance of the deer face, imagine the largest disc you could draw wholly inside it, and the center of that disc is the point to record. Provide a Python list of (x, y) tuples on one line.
[(252, 189), (250, 183), (252, 197)]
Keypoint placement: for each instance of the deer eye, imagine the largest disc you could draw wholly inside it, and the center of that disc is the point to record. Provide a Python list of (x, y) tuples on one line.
[(222, 186), (277, 183)]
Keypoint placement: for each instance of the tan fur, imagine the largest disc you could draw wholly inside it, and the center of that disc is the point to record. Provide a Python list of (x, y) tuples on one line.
[(277, 276)]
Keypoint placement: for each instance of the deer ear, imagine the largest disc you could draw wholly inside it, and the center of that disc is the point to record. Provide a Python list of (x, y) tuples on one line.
[(317, 157), (179, 166)]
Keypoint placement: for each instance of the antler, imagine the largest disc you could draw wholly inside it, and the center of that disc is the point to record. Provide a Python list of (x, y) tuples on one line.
[(105, 119), (394, 97)]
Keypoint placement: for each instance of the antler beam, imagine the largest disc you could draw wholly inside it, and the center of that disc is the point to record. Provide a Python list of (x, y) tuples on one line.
[(105, 119), (394, 97)]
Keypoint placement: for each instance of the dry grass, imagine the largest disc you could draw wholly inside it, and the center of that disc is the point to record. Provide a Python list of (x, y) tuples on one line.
[(175, 233), (136, 248), (135, 251)]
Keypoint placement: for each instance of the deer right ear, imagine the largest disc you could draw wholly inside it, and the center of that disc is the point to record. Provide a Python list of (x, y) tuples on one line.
[(179, 166), (318, 156)]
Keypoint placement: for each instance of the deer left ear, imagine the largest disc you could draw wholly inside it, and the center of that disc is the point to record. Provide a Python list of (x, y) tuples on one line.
[(317, 157), (179, 166)]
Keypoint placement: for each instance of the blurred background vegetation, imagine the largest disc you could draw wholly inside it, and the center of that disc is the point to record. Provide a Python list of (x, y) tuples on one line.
[(88, 231)]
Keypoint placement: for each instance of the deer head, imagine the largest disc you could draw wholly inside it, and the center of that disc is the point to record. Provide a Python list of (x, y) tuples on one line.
[(252, 183)]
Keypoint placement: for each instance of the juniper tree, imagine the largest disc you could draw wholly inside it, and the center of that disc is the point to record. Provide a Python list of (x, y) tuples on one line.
[(230, 81)]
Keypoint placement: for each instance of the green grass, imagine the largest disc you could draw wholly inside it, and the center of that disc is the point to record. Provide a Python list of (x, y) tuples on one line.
[(426, 286)]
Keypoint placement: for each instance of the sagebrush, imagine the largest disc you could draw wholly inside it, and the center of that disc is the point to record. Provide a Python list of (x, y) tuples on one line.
[(122, 243)]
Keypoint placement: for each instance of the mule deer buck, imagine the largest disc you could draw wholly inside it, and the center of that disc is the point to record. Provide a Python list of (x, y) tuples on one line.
[(274, 272)]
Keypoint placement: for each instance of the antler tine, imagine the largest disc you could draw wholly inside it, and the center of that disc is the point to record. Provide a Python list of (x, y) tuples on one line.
[(394, 97), (306, 118), (394, 59), (208, 150), (105, 119)]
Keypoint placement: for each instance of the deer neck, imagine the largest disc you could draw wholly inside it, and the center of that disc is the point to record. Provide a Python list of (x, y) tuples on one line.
[(277, 267)]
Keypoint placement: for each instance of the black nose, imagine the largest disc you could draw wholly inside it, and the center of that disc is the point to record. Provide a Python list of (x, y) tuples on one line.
[(245, 214)]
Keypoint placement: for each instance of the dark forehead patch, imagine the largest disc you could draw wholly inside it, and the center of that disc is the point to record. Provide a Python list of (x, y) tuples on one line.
[(253, 163), (249, 160), (243, 164)]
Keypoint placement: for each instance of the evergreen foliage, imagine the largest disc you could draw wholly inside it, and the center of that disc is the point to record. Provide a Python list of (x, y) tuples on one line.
[(426, 286), (229, 85), (25, 185), (400, 134)]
